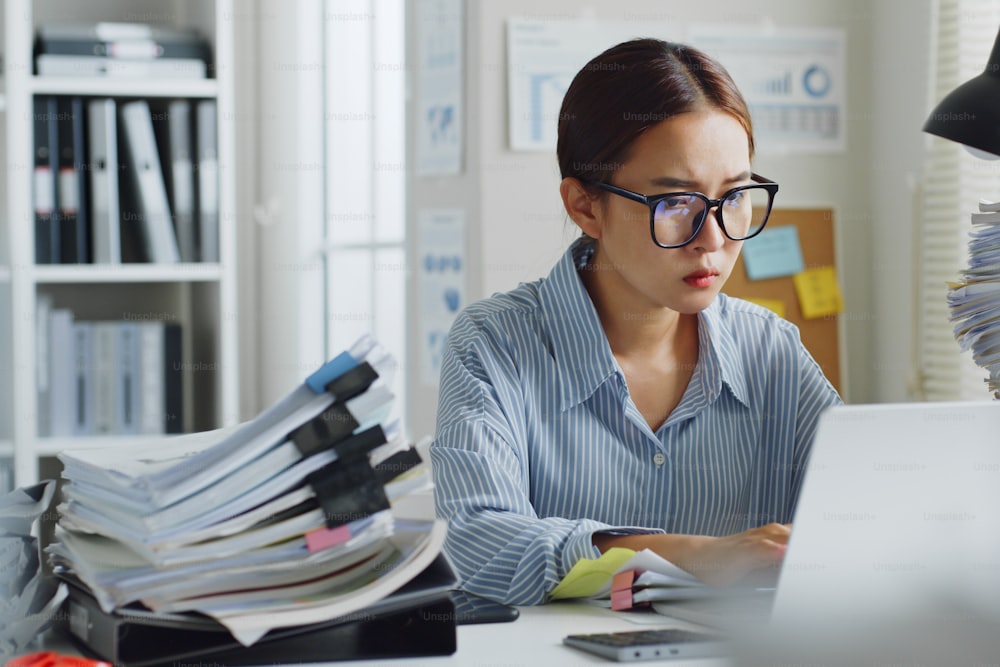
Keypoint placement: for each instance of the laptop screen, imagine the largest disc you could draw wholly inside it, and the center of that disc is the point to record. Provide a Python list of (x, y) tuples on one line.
[(899, 510)]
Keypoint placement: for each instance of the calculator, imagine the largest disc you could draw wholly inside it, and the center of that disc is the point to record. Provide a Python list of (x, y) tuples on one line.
[(635, 645)]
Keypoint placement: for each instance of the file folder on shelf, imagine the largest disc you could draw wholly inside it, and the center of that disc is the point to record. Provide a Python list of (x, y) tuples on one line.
[(46, 191), (418, 620), (149, 210), (102, 139)]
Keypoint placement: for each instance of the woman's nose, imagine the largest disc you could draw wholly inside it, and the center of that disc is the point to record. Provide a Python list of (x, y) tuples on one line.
[(710, 237)]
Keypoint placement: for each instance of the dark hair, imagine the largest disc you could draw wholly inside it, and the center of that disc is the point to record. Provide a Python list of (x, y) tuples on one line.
[(630, 88)]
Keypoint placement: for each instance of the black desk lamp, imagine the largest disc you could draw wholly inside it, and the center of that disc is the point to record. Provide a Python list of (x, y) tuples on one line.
[(970, 115)]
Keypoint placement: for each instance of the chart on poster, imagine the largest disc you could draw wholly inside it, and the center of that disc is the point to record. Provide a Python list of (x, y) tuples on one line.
[(793, 79), (441, 260), (542, 59)]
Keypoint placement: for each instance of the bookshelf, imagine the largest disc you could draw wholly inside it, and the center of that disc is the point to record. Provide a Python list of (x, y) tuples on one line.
[(207, 88), (200, 296)]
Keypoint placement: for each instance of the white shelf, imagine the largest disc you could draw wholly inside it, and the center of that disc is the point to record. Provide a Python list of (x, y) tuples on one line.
[(126, 273), (51, 85), (201, 297), (55, 446)]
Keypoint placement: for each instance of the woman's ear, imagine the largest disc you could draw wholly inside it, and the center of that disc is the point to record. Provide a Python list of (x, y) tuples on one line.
[(582, 207)]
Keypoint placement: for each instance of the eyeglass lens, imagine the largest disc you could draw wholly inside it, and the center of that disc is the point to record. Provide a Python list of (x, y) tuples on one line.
[(677, 219)]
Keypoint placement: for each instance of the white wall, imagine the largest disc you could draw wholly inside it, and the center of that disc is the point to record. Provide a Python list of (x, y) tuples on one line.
[(287, 223), (518, 228), (900, 103)]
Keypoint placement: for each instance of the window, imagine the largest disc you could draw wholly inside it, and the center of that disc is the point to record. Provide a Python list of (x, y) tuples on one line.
[(954, 182), (365, 229)]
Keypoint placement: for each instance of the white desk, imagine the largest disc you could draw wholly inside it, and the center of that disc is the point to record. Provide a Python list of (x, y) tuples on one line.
[(536, 637), (533, 639)]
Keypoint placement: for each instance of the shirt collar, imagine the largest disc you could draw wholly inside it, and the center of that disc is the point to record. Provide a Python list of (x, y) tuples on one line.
[(579, 345), (719, 353), (581, 348)]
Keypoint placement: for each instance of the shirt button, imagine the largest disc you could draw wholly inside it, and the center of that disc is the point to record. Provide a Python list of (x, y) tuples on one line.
[(659, 459)]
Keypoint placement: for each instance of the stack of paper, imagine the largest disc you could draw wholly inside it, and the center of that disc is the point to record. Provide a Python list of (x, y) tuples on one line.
[(28, 599), (975, 300), (284, 520), (623, 579)]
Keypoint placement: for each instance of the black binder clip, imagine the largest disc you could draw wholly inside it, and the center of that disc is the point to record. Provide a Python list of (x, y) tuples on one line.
[(324, 430), (349, 489), (397, 464), (352, 383), (336, 422)]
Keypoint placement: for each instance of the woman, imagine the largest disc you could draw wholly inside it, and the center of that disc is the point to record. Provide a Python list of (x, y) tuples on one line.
[(622, 401)]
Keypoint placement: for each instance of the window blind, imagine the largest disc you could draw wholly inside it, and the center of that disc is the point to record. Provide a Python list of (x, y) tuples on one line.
[(954, 181)]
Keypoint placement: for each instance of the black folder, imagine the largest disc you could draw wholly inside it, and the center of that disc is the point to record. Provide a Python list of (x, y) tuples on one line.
[(418, 620)]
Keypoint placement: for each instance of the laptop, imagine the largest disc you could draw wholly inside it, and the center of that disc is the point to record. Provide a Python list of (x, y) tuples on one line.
[(899, 514)]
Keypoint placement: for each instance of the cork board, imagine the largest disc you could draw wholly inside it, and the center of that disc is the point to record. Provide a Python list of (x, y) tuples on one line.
[(816, 236)]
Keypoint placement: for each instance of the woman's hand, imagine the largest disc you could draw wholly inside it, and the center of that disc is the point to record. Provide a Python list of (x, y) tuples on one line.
[(717, 561), (721, 561)]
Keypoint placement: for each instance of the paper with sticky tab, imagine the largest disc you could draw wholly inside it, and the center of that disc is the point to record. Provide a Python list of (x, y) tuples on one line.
[(588, 575), (592, 579)]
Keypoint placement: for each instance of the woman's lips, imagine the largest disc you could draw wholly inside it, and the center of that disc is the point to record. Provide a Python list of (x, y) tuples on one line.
[(701, 278)]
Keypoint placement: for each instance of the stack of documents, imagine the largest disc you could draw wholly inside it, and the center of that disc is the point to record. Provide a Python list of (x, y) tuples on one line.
[(623, 579), (28, 599), (290, 519), (975, 300)]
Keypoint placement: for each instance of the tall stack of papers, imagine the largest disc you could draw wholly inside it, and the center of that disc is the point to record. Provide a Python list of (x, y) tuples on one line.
[(28, 599), (975, 300), (290, 519)]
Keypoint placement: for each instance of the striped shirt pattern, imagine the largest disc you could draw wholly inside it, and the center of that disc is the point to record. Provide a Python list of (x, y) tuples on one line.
[(538, 444)]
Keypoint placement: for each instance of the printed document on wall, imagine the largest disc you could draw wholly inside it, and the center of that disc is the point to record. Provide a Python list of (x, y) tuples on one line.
[(441, 258), (544, 56), (439, 103), (794, 80)]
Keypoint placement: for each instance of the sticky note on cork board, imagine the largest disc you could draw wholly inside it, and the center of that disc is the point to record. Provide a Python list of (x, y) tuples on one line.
[(818, 292), (773, 253)]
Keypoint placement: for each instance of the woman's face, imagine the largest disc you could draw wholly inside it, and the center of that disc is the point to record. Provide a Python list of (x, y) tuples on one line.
[(704, 151)]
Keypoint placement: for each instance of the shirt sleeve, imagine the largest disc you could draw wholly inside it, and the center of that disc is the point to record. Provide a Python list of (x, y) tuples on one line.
[(500, 547)]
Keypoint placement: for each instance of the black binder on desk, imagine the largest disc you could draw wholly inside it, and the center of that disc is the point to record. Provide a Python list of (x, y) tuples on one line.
[(418, 620)]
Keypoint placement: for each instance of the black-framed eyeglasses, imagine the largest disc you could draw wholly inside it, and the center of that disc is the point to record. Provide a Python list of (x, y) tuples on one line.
[(676, 218)]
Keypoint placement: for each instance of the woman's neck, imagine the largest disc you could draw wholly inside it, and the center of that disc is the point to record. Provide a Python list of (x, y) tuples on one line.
[(635, 327)]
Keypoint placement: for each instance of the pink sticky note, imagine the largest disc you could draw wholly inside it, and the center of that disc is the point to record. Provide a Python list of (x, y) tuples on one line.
[(324, 538)]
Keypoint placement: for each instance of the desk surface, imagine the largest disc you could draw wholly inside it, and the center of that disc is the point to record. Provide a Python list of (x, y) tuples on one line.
[(536, 637), (533, 639)]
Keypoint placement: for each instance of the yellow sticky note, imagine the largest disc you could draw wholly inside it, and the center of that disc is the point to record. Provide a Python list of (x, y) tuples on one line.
[(775, 305), (819, 293), (587, 576)]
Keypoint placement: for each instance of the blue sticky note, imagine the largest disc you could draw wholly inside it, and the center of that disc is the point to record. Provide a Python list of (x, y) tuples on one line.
[(773, 253)]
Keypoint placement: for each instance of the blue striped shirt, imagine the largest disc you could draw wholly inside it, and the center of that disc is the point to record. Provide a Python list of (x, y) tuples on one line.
[(538, 445)]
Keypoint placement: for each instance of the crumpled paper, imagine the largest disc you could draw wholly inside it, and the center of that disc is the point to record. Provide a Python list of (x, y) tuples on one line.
[(29, 599)]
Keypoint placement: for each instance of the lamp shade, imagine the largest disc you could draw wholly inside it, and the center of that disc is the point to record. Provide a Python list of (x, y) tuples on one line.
[(970, 114)]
